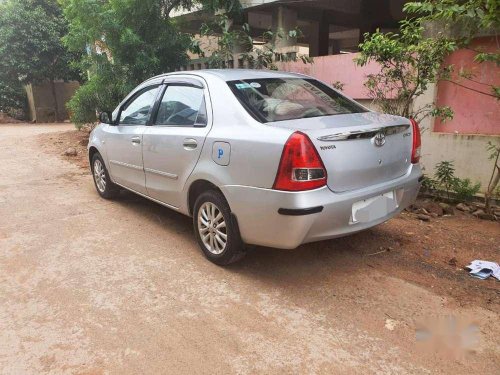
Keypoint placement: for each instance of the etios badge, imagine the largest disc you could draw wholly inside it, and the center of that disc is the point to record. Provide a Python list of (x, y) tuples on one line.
[(379, 139)]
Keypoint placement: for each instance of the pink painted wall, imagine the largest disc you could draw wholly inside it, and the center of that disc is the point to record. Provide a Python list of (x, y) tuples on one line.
[(336, 68), (474, 113)]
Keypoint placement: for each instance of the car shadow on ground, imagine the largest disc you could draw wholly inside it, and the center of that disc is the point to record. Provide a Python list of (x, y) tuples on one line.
[(345, 254), (389, 251)]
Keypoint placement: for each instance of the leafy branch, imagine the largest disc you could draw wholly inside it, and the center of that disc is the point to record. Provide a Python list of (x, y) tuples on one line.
[(466, 19), (409, 62)]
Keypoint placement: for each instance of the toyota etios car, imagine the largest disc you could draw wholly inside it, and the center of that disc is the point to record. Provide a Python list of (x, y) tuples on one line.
[(257, 157)]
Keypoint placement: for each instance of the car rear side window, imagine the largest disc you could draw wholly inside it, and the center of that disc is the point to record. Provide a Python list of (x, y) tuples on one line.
[(182, 105), (278, 99)]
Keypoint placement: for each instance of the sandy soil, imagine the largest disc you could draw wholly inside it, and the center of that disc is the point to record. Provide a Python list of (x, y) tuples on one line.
[(89, 286)]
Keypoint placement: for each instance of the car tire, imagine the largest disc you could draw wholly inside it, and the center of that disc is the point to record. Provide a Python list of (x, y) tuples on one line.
[(216, 230), (103, 184)]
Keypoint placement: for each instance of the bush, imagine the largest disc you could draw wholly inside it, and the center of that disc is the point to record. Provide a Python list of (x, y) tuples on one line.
[(464, 189), (446, 180), (428, 183), (102, 92), (445, 174)]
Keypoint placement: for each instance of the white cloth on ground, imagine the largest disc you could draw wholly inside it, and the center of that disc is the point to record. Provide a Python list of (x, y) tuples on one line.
[(483, 269)]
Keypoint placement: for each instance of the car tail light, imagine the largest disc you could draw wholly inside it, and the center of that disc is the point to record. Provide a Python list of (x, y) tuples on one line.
[(300, 166), (417, 142)]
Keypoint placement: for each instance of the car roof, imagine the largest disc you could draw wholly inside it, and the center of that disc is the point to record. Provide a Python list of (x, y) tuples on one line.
[(235, 74)]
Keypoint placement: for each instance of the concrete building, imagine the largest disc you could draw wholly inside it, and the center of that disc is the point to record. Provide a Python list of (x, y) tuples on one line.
[(329, 27), (332, 30)]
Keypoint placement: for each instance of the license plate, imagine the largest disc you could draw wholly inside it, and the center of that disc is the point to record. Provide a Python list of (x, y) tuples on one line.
[(374, 208)]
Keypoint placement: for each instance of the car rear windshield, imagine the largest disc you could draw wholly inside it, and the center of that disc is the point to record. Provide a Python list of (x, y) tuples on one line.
[(278, 99)]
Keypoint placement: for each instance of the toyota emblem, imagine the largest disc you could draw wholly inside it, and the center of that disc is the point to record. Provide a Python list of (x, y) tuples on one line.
[(379, 139)]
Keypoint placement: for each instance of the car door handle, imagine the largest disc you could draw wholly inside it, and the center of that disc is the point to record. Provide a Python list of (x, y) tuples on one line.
[(136, 140), (190, 144)]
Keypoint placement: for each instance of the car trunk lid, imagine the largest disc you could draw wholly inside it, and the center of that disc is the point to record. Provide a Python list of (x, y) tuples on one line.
[(358, 150)]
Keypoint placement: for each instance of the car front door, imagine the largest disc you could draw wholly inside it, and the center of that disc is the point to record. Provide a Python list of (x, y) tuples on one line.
[(173, 142), (124, 140)]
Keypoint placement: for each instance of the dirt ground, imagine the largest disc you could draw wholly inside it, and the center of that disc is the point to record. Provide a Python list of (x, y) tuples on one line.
[(89, 286)]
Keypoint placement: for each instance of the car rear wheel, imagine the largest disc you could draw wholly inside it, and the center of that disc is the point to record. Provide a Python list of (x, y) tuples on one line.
[(215, 229), (103, 184)]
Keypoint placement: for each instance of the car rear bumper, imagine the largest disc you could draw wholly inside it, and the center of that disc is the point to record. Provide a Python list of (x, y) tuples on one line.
[(285, 220)]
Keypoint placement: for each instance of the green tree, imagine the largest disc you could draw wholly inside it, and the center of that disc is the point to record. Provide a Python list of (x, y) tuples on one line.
[(12, 97), (463, 20), (445, 175), (31, 50), (126, 41), (409, 62)]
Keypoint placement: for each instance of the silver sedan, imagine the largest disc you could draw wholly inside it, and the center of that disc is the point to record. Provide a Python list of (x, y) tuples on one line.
[(257, 157)]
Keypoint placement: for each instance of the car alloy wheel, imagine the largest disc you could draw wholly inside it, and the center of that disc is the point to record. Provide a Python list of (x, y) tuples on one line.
[(212, 228), (103, 184), (216, 229), (99, 176)]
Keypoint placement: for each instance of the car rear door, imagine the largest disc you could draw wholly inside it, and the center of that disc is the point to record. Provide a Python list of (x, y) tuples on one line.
[(124, 140), (173, 142)]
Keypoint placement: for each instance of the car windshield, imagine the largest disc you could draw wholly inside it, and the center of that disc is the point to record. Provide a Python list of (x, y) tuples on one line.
[(278, 99)]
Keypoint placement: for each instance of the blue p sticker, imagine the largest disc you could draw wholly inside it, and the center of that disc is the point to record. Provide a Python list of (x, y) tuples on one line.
[(221, 151)]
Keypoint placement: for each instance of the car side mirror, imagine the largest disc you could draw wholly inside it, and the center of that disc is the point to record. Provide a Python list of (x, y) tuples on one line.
[(106, 117)]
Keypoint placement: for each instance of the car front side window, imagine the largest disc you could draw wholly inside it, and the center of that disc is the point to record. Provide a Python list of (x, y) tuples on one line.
[(137, 110), (182, 105)]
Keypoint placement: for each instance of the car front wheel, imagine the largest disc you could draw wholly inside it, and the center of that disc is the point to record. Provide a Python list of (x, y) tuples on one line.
[(216, 231), (103, 184)]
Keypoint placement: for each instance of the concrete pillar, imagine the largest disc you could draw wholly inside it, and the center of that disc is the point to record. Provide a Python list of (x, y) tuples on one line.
[(367, 13), (374, 14), (335, 47), (284, 20), (314, 39), (319, 37), (323, 36)]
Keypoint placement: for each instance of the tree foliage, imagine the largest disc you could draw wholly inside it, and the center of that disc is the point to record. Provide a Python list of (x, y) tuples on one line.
[(409, 62), (31, 50), (126, 41), (102, 91), (464, 20), (12, 97), (139, 39), (30, 41), (472, 17)]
